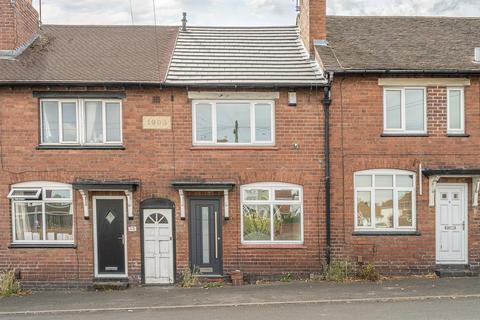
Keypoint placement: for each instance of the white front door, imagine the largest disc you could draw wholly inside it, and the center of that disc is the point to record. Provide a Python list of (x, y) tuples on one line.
[(158, 246), (451, 224)]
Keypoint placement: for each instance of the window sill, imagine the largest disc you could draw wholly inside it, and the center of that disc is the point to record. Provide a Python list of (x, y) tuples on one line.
[(386, 233), (398, 135), (77, 147), (458, 135), (42, 245), (273, 246), (255, 148)]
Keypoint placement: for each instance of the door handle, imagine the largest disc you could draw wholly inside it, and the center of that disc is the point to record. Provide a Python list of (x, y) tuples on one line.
[(122, 238), (216, 235)]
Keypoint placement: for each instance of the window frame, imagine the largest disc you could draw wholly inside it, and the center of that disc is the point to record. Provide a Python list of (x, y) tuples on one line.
[(81, 123), (213, 106), (462, 110), (44, 186), (403, 129), (271, 187), (395, 190)]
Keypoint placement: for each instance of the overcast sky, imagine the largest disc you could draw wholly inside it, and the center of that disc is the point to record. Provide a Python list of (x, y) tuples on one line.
[(234, 12)]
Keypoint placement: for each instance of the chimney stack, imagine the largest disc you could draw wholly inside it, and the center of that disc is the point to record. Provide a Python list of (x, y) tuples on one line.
[(312, 21), (18, 26)]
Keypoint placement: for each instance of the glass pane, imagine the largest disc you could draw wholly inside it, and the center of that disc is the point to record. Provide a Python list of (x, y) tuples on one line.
[(364, 209), (59, 221), (287, 194), (114, 123), (363, 181), (25, 193), (263, 122), (203, 122), (50, 121), (393, 102), (256, 194), (69, 121), (414, 109), (205, 235), (384, 209), (256, 223), (58, 194), (28, 221), (404, 181), (454, 109), (383, 181), (405, 209), (93, 119), (287, 221), (233, 123)]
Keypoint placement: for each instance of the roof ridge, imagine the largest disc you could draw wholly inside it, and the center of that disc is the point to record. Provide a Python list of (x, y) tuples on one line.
[(403, 17)]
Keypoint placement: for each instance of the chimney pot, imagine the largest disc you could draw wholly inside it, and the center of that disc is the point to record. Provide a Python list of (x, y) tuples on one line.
[(184, 22)]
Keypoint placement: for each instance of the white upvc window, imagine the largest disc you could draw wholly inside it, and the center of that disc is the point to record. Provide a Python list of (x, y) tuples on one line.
[(405, 110), (42, 213), (233, 123), (272, 213), (81, 122), (385, 200), (456, 110)]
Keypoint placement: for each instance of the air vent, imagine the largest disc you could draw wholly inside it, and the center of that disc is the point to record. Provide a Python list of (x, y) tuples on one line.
[(156, 99), (477, 54)]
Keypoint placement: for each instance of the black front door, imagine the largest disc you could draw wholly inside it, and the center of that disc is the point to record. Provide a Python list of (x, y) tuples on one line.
[(206, 236), (110, 236)]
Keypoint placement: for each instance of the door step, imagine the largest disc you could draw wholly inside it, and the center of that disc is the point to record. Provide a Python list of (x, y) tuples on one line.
[(110, 284), (455, 271)]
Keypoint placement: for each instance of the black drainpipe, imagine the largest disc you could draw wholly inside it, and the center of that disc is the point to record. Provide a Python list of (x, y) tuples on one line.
[(327, 101)]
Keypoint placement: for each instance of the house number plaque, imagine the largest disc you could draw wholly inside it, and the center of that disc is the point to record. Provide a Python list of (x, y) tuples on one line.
[(157, 123)]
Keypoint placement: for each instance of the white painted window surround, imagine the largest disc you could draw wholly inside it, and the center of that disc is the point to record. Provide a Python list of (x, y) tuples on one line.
[(385, 200), (84, 122), (42, 213), (233, 123), (271, 213), (456, 110), (405, 110)]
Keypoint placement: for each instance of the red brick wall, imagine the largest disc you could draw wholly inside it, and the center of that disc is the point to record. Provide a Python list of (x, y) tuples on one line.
[(357, 144), (157, 158), (312, 22), (18, 23)]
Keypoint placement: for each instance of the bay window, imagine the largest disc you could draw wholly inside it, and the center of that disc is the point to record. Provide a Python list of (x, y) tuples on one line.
[(405, 110), (42, 213), (81, 122), (233, 123), (385, 200), (272, 213)]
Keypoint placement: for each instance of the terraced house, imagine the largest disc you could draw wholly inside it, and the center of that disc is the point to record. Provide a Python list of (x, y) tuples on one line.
[(130, 153)]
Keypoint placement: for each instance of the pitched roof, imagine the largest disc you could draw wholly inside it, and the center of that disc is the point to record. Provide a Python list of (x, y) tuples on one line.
[(262, 56), (94, 54), (401, 43)]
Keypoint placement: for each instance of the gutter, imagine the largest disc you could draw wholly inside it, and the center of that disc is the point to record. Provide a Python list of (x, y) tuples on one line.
[(326, 102), (400, 71)]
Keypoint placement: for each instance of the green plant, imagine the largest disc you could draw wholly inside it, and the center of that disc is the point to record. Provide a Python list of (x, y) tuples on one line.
[(368, 272), (288, 277), (189, 277), (340, 271), (211, 285), (8, 284)]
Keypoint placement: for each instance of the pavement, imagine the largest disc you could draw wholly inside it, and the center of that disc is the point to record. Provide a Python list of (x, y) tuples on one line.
[(306, 296)]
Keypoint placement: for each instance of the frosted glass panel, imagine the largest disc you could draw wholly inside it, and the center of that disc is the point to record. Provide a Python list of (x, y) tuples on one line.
[(393, 109), (454, 109), (112, 115), (69, 121), (205, 236), (414, 109)]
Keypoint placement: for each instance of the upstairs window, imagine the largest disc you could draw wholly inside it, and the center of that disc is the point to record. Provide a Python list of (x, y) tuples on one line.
[(233, 123), (385, 200), (405, 110), (456, 111), (42, 213), (81, 122)]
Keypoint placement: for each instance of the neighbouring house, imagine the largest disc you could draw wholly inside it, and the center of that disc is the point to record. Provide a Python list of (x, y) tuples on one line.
[(130, 153)]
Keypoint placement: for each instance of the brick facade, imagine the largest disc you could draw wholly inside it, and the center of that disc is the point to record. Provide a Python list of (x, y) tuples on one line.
[(157, 158), (357, 144), (18, 23)]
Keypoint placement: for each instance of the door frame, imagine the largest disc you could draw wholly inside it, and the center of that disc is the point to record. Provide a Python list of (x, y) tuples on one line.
[(95, 248), (157, 203), (220, 225), (463, 186)]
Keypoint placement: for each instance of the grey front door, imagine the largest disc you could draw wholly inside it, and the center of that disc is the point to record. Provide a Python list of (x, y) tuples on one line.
[(206, 236), (110, 237)]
